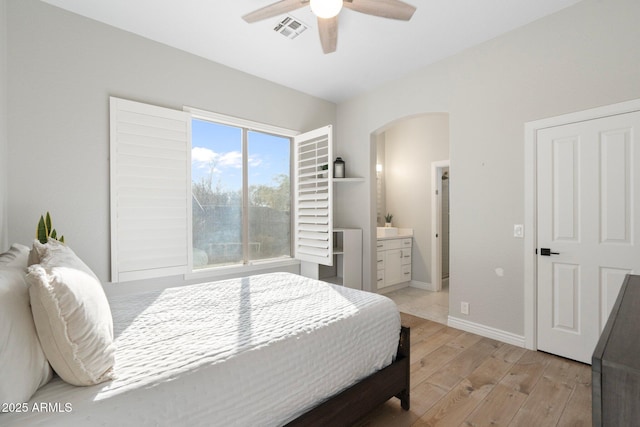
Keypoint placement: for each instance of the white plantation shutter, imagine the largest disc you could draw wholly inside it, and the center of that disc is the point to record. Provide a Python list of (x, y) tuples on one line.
[(150, 155), (314, 195)]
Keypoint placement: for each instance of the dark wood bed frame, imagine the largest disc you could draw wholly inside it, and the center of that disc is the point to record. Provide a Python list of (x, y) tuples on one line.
[(358, 400)]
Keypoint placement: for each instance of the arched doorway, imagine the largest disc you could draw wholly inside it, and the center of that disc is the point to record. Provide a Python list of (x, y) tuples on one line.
[(403, 152)]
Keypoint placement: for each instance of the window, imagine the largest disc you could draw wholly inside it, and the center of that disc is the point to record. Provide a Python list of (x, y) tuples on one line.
[(234, 210), (241, 192)]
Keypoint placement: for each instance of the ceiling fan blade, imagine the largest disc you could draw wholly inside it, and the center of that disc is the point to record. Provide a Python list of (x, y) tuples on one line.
[(394, 9), (328, 29), (275, 9)]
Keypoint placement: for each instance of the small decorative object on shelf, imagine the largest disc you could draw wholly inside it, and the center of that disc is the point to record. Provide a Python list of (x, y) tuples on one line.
[(324, 169), (387, 219), (338, 168)]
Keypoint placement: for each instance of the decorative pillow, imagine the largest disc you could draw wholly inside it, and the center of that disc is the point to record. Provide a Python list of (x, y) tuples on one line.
[(36, 252), (16, 256), (72, 316), (23, 365)]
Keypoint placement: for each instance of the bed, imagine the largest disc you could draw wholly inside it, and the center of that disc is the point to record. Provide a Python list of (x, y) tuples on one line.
[(268, 350)]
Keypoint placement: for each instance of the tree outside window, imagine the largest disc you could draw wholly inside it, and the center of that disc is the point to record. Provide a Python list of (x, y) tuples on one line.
[(241, 195)]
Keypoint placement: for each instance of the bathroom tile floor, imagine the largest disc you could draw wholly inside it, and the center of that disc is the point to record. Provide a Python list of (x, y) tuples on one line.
[(425, 304)]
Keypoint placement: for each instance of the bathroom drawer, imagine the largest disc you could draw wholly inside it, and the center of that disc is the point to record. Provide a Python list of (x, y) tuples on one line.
[(406, 272), (406, 243), (406, 256), (380, 260), (381, 245), (392, 244), (380, 282)]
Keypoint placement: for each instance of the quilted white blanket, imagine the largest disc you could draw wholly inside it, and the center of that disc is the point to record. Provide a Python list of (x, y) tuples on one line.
[(256, 351)]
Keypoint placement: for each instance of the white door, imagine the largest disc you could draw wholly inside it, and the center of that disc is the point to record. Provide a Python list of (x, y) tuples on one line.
[(588, 228)]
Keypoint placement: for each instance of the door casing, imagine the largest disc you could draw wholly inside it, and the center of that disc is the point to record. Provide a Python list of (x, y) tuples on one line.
[(530, 186), (437, 169)]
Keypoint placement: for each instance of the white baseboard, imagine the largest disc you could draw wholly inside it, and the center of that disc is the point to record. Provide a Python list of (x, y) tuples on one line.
[(486, 331), (392, 288), (422, 285)]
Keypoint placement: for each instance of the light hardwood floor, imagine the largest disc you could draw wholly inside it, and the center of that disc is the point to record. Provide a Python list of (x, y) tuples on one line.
[(462, 379)]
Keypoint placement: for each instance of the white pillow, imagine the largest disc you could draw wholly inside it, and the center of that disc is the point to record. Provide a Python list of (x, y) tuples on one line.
[(36, 252), (72, 316), (16, 256), (23, 365)]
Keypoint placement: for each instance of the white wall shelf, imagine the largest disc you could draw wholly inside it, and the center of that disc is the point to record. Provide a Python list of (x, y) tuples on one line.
[(346, 268), (347, 259)]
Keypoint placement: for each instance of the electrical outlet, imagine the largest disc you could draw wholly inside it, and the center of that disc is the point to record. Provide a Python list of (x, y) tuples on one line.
[(464, 307)]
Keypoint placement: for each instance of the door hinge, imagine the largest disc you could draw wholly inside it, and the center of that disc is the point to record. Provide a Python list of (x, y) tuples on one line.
[(436, 192)]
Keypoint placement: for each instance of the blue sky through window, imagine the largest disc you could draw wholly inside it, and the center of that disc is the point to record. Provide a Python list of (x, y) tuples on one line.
[(217, 149)]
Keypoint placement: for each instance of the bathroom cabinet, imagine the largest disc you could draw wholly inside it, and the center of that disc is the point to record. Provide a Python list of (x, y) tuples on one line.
[(393, 261)]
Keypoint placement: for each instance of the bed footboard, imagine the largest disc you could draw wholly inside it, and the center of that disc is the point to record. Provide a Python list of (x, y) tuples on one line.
[(358, 400), (404, 352)]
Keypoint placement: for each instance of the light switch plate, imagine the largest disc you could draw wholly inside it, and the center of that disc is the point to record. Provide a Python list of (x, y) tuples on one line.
[(518, 231)]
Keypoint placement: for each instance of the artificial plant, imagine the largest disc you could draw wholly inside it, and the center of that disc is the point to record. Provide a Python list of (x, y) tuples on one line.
[(45, 230)]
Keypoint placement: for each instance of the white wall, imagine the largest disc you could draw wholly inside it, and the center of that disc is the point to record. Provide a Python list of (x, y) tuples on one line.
[(411, 145), (4, 173), (582, 57), (61, 70), (381, 197)]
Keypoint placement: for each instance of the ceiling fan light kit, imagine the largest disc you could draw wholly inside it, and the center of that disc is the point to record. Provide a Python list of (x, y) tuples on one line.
[(326, 8), (327, 12)]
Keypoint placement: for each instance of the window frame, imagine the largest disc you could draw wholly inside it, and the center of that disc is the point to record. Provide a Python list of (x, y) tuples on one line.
[(246, 266)]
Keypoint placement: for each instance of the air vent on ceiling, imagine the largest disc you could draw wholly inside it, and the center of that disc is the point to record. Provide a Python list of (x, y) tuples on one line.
[(290, 27)]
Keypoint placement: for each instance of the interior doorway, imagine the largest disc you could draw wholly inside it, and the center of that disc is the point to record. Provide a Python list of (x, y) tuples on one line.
[(402, 153), (445, 227), (440, 184)]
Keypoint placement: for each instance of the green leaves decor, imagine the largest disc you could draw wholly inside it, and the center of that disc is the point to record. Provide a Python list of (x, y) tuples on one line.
[(45, 230)]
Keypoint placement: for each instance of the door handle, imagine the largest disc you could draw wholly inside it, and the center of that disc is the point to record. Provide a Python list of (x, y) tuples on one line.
[(547, 252)]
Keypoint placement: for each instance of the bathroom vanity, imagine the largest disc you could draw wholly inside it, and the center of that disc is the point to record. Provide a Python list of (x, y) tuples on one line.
[(393, 256)]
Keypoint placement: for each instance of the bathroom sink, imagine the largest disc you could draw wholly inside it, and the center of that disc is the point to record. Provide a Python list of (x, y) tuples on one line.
[(387, 231)]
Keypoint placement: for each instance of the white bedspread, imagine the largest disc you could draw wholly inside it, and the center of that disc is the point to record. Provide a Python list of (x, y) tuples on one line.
[(256, 351)]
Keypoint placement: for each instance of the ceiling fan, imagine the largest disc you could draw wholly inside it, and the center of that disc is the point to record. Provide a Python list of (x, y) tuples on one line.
[(327, 12)]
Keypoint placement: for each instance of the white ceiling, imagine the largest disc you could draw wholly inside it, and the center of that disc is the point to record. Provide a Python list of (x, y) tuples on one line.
[(371, 50)]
